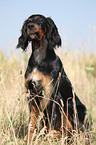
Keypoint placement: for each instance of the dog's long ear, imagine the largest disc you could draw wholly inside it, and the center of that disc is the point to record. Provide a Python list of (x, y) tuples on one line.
[(52, 34), (23, 39)]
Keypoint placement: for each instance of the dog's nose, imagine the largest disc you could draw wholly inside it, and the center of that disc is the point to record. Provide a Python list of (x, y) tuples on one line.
[(30, 25)]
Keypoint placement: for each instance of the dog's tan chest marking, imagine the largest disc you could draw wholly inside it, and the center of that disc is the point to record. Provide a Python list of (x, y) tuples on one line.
[(45, 81)]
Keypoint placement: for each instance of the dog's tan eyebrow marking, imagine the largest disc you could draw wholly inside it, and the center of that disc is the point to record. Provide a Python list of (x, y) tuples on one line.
[(37, 17), (29, 19)]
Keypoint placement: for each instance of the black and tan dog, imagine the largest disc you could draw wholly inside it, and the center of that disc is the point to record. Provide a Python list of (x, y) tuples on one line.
[(50, 89)]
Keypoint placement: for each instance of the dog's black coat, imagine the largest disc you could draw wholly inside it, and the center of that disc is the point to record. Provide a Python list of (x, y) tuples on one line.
[(43, 34)]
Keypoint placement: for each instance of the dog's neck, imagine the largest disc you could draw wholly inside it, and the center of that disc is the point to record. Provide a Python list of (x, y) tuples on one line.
[(39, 49)]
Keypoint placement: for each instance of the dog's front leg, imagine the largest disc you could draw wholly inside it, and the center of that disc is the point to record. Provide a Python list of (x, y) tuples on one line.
[(32, 123)]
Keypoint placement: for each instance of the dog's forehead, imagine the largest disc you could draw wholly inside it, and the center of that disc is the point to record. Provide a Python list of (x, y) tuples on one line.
[(36, 17)]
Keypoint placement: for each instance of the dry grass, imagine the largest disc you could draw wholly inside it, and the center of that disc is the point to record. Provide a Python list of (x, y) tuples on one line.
[(14, 113)]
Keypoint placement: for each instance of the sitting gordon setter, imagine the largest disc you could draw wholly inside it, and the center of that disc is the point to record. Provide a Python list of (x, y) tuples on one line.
[(51, 91)]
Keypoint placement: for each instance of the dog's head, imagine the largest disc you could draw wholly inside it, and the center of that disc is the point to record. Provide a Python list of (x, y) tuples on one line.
[(36, 28)]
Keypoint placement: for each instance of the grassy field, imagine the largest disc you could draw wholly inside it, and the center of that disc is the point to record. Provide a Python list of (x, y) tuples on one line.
[(14, 113)]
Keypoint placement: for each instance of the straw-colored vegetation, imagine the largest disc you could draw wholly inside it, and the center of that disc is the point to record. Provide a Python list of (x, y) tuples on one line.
[(14, 113)]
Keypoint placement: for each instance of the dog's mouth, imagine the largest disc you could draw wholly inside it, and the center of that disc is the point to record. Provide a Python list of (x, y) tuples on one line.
[(33, 36)]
